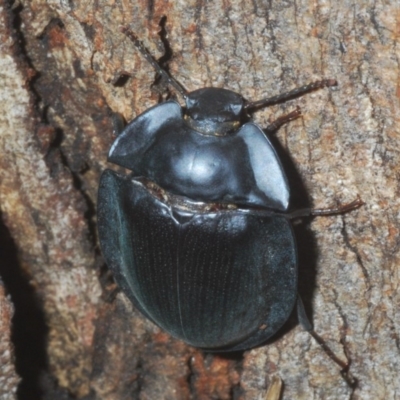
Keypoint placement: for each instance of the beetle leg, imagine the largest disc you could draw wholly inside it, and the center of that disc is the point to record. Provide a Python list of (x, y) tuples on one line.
[(149, 58), (307, 325), (281, 98), (344, 208), (302, 316), (275, 125), (340, 209), (118, 123)]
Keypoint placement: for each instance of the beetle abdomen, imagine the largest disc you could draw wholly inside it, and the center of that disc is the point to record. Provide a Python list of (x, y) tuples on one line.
[(211, 279)]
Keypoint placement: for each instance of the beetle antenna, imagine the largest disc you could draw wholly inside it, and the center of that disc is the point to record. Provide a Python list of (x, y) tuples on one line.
[(280, 98), (146, 54)]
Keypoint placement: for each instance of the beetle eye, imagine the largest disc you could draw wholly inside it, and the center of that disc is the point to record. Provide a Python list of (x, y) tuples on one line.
[(236, 109)]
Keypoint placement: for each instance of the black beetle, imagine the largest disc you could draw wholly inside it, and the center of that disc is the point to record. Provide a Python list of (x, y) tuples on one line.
[(199, 235)]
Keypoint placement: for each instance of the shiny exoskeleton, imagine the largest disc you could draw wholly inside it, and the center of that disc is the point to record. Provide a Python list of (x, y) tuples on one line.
[(198, 236)]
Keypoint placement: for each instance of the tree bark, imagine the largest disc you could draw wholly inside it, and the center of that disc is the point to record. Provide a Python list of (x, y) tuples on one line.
[(8, 376), (65, 66)]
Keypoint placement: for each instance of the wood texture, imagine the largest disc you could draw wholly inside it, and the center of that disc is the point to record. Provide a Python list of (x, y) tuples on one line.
[(64, 65), (8, 378)]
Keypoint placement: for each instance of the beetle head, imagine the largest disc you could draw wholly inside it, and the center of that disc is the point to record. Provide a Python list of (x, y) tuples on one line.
[(214, 111)]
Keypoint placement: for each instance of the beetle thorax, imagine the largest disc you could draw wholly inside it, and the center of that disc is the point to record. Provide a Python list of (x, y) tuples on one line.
[(214, 111)]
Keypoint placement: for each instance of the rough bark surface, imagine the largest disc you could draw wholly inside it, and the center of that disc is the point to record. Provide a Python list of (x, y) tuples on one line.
[(8, 378), (64, 66)]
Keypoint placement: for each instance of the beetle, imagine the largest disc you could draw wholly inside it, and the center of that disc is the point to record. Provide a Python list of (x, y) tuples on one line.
[(199, 235)]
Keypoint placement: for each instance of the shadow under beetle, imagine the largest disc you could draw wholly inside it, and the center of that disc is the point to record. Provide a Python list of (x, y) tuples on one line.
[(199, 235)]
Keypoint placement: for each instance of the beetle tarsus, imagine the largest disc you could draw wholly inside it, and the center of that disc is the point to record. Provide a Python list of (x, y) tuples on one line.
[(307, 325), (344, 366), (341, 209), (275, 125), (334, 210)]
